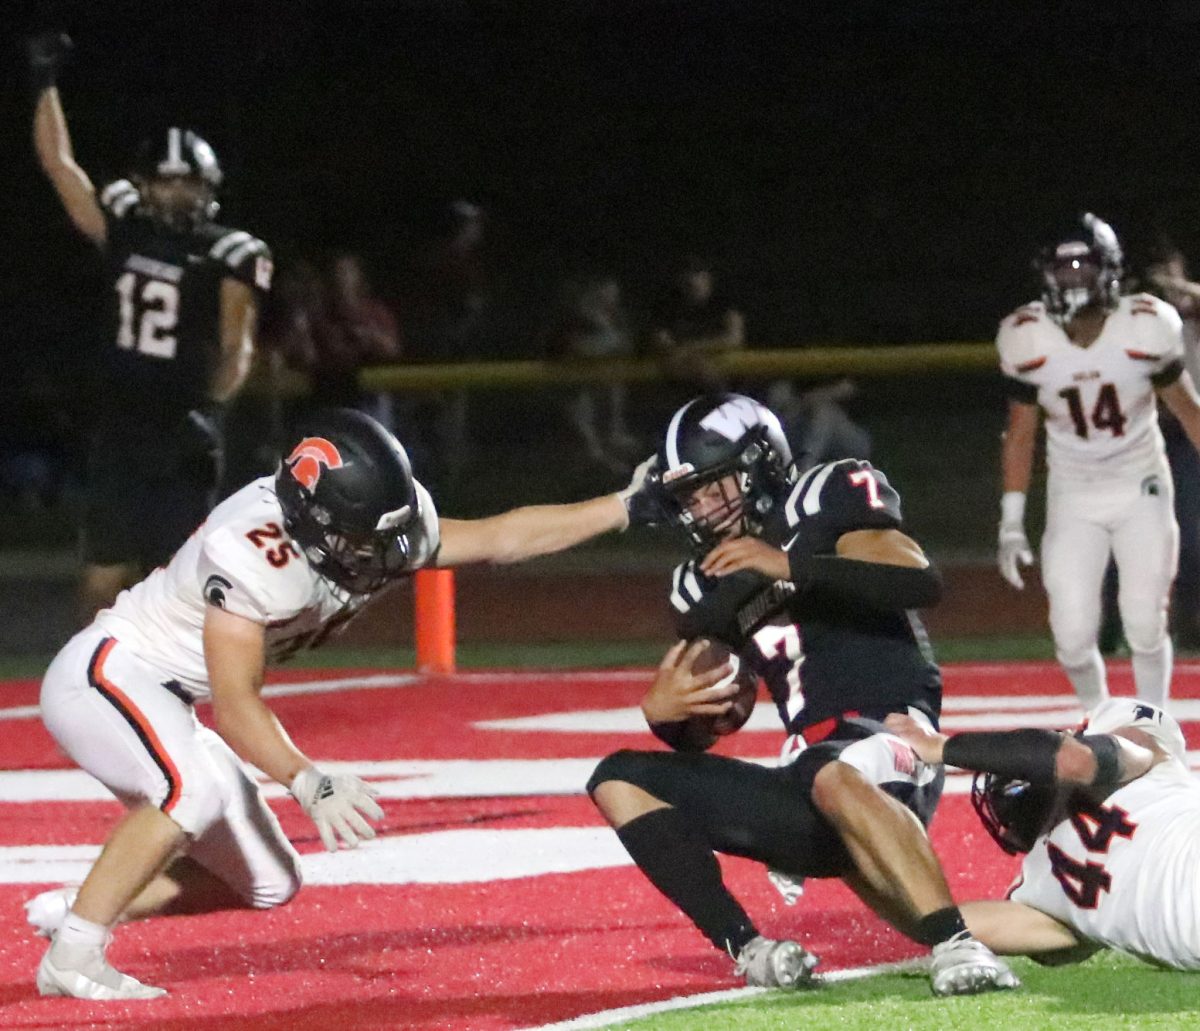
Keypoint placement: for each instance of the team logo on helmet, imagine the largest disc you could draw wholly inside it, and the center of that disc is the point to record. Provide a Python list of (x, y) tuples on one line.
[(310, 457)]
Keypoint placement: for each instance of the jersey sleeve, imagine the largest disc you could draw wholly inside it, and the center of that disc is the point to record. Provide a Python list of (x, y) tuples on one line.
[(118, 199), (1159, 338), (727, 609), (1019, 353), (234, 575), (426, 539), (843, 496), (245, 258)]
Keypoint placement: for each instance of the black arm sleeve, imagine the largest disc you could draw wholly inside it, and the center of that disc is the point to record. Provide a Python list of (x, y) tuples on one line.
[(1018, 390), (1168, 374), (1015, 754), (877, 584)]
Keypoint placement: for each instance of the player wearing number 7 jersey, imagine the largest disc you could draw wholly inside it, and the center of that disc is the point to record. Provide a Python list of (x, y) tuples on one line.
[(811, 583), (1093, 362), (274, 568), (183, 294), (1108, 818)]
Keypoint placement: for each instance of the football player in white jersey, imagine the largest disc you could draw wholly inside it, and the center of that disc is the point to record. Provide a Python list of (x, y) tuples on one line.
[(1109, 819), (1093, 362), (273, 569)]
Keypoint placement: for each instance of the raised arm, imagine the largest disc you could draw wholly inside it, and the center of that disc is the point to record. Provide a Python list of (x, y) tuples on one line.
[(52, 142)]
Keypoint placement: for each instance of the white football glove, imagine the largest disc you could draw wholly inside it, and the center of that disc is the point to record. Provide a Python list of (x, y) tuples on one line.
[(1012, 552), (337, 806), (1013, 549)]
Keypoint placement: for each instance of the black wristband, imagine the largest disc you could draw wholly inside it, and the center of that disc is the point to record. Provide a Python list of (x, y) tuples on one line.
[(1108, 758), (1014, 754), (878, 584)]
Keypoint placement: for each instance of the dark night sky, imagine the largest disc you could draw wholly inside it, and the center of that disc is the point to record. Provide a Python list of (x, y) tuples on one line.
[(882, 173)]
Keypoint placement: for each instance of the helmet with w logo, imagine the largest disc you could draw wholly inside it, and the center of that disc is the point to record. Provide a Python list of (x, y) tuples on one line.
[(349, 499)]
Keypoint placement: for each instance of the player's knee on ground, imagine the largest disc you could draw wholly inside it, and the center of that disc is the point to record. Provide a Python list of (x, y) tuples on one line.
[(267, 893)]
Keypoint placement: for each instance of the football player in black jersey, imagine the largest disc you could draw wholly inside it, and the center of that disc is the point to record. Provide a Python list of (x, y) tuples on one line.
[(179, 335), (811, 584)]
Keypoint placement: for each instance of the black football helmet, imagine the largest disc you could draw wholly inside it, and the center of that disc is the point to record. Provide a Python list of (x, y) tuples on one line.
[(180, 154), (349, 500), (1014, 812), (1083, 267), (709, 439)]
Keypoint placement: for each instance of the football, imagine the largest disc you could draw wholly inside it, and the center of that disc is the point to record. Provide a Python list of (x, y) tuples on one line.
[(712, 727)]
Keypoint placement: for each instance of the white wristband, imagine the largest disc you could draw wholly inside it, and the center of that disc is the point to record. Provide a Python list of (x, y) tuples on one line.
[(1012, 508)]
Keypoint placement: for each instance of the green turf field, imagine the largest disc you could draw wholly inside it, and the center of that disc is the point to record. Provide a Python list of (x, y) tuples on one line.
[(1108, 991)]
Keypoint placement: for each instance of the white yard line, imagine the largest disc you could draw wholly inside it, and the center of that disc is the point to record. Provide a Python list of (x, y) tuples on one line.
[(606, 1018)]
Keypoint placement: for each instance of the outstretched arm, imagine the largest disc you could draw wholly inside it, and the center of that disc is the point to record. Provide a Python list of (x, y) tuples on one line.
[(52, 142), (525, 533)]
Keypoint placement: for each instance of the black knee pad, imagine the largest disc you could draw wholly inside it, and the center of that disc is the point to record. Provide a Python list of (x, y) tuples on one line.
[(623, 765)]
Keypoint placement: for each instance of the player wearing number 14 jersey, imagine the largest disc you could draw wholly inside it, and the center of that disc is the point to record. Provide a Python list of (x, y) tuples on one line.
[(811, 584), (183, 294), (1094, 362)]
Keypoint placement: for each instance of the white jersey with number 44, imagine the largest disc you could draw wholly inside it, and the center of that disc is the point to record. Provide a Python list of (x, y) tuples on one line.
[(1101, 414), (242, 560), (1126, 873)]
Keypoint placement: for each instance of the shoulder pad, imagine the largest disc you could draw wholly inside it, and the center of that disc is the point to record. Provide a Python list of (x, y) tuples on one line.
[(234, 574), (850, 494), (119, 198), (245, 257), (1020, 342)]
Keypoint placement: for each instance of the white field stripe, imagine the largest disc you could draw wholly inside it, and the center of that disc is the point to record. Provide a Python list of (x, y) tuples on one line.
[(442, 857), (684, 1002), (401, 779)]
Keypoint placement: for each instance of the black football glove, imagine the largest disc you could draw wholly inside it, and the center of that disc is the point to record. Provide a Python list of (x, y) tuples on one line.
[(641, 497), (46, 52)]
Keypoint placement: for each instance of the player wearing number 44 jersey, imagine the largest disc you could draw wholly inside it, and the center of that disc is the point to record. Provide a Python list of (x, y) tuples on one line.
[(1109, 820), (274, 568), (176, 343), (811, 584), (1093, 362)]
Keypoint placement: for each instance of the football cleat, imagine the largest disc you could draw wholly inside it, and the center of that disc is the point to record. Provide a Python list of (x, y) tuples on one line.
[(963, 965), (82, 972), (766, 963), (47, 911)]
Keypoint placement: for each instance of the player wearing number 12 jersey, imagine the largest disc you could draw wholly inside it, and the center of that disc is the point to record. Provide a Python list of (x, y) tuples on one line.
[(1093, 362), (1108, 818), (183, 294), (812, 585), (274, 568)]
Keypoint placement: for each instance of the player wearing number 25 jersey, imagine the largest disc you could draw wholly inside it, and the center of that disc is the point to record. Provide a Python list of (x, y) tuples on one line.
[(811, 584), (1094, 363), (1109, 820), (274, 568), (183, 295)]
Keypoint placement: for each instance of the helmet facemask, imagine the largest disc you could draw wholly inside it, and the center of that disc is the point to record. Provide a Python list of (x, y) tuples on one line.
[(178, 202), (1014, 812), (359, 561), (725, 500)]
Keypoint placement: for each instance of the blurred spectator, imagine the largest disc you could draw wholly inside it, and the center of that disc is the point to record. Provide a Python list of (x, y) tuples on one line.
[(693, 323), (816, 424), (351, 328), (448, 300), (592, 326), (1168, 276)]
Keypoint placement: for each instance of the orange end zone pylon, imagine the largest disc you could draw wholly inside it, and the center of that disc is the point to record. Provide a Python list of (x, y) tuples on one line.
[(433, 617)]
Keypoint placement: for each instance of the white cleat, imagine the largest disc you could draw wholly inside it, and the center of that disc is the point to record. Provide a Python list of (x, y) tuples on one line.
[(965, 966), (80, 972), (766, 963), (47, 911)]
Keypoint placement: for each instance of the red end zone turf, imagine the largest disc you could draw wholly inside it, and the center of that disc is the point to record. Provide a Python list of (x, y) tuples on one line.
[(483, 952)]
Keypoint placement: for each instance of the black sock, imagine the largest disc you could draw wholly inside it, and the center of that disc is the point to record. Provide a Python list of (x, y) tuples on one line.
[(680, 864), (939, 926)]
